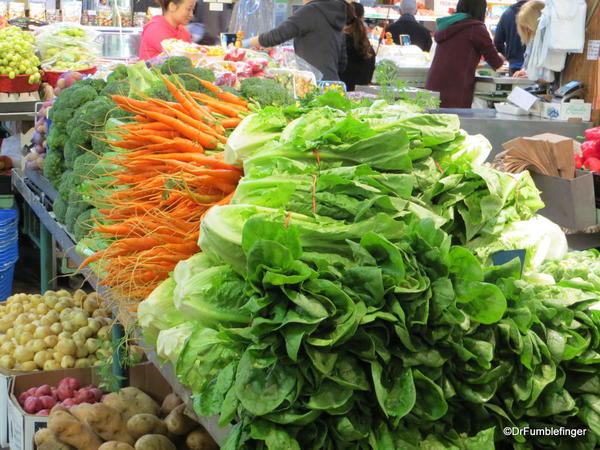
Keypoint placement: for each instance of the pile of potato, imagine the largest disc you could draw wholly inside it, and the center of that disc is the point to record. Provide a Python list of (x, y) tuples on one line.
[(127, 420), (53, 331)]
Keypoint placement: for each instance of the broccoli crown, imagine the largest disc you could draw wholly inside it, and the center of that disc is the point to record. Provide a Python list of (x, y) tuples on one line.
[(60, 116), (175, 64), (190, 82), (96, 83), (159, 90), (119, 74), (88, 119), (72, 151), (83, 167), (265, 92), (56, 138), (60, 209), (66, 185), (74, 96), (117, 87), (83, 224), (75, 207), (53, 167)]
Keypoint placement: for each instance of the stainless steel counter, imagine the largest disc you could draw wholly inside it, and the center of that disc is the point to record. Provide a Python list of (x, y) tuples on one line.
[(500, 128)]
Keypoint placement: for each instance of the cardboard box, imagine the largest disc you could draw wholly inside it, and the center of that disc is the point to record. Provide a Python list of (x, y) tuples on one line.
[(6, 379), (569, 203), (573, 110), (148, 378), (22, 426)]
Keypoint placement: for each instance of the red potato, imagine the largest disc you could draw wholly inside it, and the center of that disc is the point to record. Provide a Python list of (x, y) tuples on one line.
[(97, 394), (43, 412), (22, 397), (44, 389), (85, 395), (48, 402), (68, 402), (70, 382), (64, 392), (54, 392), (32, 405)]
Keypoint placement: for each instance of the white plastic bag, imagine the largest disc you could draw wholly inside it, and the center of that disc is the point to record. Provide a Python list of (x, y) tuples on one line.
[(567, 25), (67, 46)]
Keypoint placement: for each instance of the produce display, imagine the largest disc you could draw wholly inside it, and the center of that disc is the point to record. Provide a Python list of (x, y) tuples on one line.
[(41, 399), (162, 183), (129, 419), (337, 304), (53, 331), (590, 151), (67, 47), (17, 54)]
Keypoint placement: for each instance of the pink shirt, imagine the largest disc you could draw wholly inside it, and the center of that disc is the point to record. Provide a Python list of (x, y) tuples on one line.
[(156, 31)]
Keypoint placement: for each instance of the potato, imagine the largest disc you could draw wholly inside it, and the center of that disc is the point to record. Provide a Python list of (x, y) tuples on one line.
[(75, 433), (154, 442), (169, 403), (199, 439), (45, 439), (178, 423), (115, 445), (105, 421), (142, 424), (131, 401)]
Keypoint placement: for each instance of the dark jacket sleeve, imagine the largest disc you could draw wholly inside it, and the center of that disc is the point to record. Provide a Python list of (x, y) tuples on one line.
[(500, 36), (484, 45), (428, 41), (344, 56), (296, 25)]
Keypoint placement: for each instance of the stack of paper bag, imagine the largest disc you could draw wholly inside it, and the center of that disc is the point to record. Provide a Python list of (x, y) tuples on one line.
[(548, 154)]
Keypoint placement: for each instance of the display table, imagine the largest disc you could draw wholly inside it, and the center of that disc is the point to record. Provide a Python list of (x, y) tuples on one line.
[(499, 128)]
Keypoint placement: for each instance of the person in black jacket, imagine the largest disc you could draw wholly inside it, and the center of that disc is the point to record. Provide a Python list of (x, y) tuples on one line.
[(507, 40), (407, 24), (316, 29), (361, 56)]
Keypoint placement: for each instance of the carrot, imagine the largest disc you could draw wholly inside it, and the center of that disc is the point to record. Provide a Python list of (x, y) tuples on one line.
[(185, 130), (227, 96), (231, 123), (191, 157), (228, 109)]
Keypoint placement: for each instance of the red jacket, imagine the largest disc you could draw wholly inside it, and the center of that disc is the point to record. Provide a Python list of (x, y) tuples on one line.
[(156, 31), (459, 50)]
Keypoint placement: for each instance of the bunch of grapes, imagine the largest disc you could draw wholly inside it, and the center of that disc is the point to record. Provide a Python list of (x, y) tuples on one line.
[(17, 54)]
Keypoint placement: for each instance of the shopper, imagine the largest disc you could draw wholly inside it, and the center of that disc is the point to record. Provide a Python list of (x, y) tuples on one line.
[(360, 53), (462, 39), (407, 24), (507, 40), (171, 25), (317, 31), (527, 23)]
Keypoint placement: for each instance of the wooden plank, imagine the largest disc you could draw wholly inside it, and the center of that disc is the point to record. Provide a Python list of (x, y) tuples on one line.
[(581, 69)]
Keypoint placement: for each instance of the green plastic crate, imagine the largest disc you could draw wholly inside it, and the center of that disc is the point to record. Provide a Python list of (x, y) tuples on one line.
[(7, 201)]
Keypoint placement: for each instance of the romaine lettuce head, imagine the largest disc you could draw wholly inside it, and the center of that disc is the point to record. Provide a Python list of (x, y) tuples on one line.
[(158, 312)]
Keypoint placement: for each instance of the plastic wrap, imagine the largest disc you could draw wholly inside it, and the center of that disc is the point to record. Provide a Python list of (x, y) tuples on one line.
[(253, 17), (65, 46)]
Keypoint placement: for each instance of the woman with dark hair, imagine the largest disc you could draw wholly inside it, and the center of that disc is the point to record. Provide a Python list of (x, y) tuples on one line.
[(171, 25), (361, 56), (462, 39)]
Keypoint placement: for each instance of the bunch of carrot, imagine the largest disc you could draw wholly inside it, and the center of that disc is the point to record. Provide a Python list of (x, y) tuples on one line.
[(170, 183)]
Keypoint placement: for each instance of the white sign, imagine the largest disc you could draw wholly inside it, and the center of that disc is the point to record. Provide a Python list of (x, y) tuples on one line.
[(593, 50), (442, 7), (215, 7)]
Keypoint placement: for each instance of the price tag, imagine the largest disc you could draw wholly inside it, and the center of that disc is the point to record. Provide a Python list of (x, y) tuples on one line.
[(593, 50), (215, 7)]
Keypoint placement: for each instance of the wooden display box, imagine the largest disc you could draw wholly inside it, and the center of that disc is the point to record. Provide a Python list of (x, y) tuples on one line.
[(6, 379), (569, 203)]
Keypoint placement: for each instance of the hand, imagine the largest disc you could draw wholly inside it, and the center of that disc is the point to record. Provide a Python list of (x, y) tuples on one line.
[(520, 74)]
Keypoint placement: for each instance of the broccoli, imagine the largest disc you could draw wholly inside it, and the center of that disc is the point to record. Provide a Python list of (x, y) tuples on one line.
[(265, 92), (60, 116), (120, 87), (95, 83), (74, 96), (83, 167), (76, 206), (231, 90), (119, 114), (88, 120), (56, 139), (175, 64), (159, 90), (53, 167), (190, 82), (71, 152), (60, 209), (119, 74), (66, 185), (83, 224)]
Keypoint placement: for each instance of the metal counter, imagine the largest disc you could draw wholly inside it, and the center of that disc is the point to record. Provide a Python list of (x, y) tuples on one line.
[(411, 91), (500, 128)]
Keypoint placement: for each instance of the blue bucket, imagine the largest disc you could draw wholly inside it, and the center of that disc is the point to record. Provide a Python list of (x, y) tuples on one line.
[(6, 282)]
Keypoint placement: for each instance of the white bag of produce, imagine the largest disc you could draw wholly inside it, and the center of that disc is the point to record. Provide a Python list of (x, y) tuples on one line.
[(66, 47)]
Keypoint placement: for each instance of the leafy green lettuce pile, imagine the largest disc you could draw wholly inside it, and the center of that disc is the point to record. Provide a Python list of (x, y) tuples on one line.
[(335, 304)]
